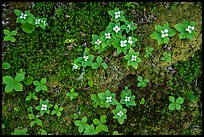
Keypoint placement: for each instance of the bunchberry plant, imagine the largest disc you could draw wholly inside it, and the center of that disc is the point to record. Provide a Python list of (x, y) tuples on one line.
[(30, 96), (117, 15), (82, 125), (148, 52), (72, 94), (175, 104), (133, 58), (121, 45), (129, 26), (14, 84), (40, 85), (119, 113), (97, 42), (162, 34), (90, 130), (96, 100), (44, 106), (127, 98), (98, 63), (57, 110), (167, 57), (100, 124), (35, 120), (20, 132), (76, 64), (87, 59), (10, 35), (6, 65), (142, 82), (187, 29), (107, 98)]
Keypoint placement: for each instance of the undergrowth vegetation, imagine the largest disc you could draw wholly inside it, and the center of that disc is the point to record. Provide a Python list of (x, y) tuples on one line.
[(106, 68)]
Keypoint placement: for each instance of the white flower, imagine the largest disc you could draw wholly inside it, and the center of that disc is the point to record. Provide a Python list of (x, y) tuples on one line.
[(116, 29), (37, 21), (108, 99), (164, 33), (107, 35), (128, 26), (189, 29), (98, 42), (44, 107), (44, 22), (133, 58), (123, 43), (120, 113), (75, 66), (86, 57), (23, 16), (127, 99), (130, 40), (117, 14)]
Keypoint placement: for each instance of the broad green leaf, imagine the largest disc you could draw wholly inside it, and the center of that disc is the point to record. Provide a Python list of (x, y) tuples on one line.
[(80, 129), (38, 88), (18, 87), (58, 113), (28, 98), (77, 123), (179, 100), (139, 78), (139, 84), (104, 65), (38, 122), (90, 83), (102, 96), (178, 106), (19, 77), (43, 81), (116, 133), (158, 28), (171, 98), (103, 119), (43, 87), (36, 83), (56, 106), (6, 65), (179, 27), (172, 106), (6, 38), (168, 59), (32, 123), (17, 12), (142, 101), (84, 119), (99, 128), (13, 32), (12, 39), (134, 64), (96, 121), (53, 112), (8, 80), (43, 132), (28, 28), (9, 88), (99, 60), (105, 128), (146, 80), (6, 32), (94, 97), (60, 109), (172, 32), (166, 40), (121, 120), (95, 66), (3, 126), (182, 35), (35, 97), (28, 81), (31, 116)]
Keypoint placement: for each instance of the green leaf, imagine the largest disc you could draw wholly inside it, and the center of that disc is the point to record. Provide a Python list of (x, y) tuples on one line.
[(77, 123), (43, 87), (28, 98), (60, 109), (116, 133), (101, 96), (139, 78), (9, 88), (142, 101), (158, 28), (36, 83), (99, 128), (166, 40), (8, 80), (28, 81), (104, 65), (105, 128), (90, 83), (103, 119), (6, 65), (12, 39), (146, 80), (171, 98), (3, 126), (35, 97), (43, 81), (38, 88), (172, 32), (95, 66), (19, 77), (96, 121), (99, 60), (121, 120), (56, 106), (38, 122), (178, 106), (182, 35), (43, 132), (18, 87), (13, 32), (156, 35), (139, 84), (17, 12), (32, 123), (172, 106), (179, 27), (84, 119), (53, 112), (6, 38), (28, 28), (31, 116), (59, 114), (6, 32), (179, 100)]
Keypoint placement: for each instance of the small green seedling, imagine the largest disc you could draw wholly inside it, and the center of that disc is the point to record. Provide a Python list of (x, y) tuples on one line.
[(142, 83), (12, 84), (40, 85), (107, 98), (175, 104), (133, 58), (119, 113), (10, 35), (100, 124), (167, 57), (72, 94), (30, 96), (87, 59), (82, 125), (44, 107), (35, 120), (187, 29), (127, 97), (148, 52), (6, 65), (57, 111), (162, 34)]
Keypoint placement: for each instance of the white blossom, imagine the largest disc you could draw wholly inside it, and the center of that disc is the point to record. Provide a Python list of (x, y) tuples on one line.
[(44, 107), (117, 14), (23, 16), (128, 26), (107, 35), (116, 29), (130, 40), (123, 43), (108, 99), (75, 66), (37, 21), (98, 42), (133, 58), (120, 113), (164, 33), (86, 57), (127, 99), (189, 29)]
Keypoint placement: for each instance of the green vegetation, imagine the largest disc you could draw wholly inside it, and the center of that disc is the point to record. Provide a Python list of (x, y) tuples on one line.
[(175, 104), (10, 35)]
